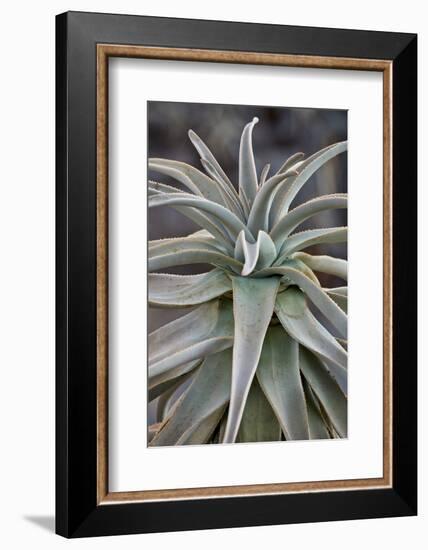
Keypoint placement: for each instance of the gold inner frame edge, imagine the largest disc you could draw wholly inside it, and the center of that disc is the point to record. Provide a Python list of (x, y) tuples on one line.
[(104, 52)]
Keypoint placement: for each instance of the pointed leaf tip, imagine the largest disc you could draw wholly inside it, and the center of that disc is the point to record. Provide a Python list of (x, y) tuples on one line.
[(256, 255), (248, 183)]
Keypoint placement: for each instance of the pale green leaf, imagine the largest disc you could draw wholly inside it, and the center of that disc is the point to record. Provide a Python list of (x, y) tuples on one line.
[(201, 236), (291, 162), (298, 321), (212, 189), (169, 398), (201, 432), (276, 210), (248, 183), (258, 422), (201, 407), (259, 214), (311, 165), (206, 155), (226, 217), (264, 174), (195, 180), (294, 218), (340, 299), (279, 376), (165, 380), (294, 263), (206, 330), (326, 389), (255, 255), (231, 199), (339, 374), (340, 290), (181, 244), (167, 290), (214, 227), (317, 427), (325, 264), (253, 305), (156, 188), (205, 221), (302, 240), (190, 253), (317, 295)]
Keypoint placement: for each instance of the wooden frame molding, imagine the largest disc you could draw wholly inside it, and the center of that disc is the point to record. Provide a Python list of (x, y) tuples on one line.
[(104, 52)]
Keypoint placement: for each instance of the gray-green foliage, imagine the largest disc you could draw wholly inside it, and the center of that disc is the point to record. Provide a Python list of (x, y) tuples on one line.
[(250, 361)]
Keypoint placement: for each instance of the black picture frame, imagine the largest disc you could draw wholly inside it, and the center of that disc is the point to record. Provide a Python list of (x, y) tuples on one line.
[(78, 513)]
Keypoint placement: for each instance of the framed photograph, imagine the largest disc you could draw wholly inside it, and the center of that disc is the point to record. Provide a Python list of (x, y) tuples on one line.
[(236, 274)]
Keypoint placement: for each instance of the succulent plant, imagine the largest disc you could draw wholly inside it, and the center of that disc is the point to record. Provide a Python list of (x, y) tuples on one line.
[(261, 355)]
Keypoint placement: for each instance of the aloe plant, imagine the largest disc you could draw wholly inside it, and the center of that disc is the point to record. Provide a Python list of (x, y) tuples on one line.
[(261, 355)]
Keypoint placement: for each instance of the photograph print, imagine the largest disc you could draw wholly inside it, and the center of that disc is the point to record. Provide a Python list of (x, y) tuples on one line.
[(247, 274)]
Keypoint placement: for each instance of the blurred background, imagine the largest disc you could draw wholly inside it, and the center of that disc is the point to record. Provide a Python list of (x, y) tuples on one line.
[(281, 132)]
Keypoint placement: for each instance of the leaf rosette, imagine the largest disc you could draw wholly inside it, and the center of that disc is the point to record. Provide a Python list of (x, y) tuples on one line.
[(261, 355)]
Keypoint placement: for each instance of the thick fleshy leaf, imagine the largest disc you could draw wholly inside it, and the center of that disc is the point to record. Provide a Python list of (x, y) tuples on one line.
[(206, 221), (227, 218), (231, 199), (280, 205), (165, 380), (279, 376), (311, 165), (276, 211), (297, 319), (214, 227), (167, 290), (296, 264), (259, 422), (190, 253), (203, 220), (184, 243), (291, 162), (248, 183), (294, 218), (340, 375), (300, 241), (204, 331), (267, 251), (317, 295), (192, 178), (206, 155), (326, 389), (317, 427), (340, 298), (156, 188), (201, 407), (169, 398), (259, 214), (255, 255), (218, 434), (325, 264), (197, 182), (264, 174), (202, 432), (340, 290), (253, 303), (201, 236)]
